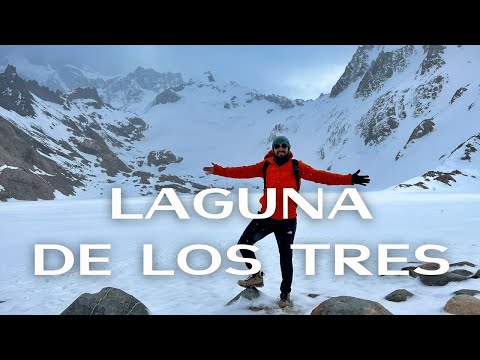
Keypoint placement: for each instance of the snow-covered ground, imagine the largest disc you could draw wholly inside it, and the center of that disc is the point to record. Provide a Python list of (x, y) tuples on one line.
[(414, 218)]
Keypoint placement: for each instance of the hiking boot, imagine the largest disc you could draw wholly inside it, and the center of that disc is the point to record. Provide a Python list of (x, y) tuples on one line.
[(254, 280), (284, 300)]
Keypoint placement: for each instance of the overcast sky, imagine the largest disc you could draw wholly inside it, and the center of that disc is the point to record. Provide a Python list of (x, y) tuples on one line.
[(296, 71)]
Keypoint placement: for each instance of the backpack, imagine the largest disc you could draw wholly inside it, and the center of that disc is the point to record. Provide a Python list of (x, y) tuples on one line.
[(296, 172)]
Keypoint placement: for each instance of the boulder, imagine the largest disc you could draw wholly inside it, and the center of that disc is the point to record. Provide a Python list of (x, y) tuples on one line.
[(348, 305), (441, 280), (399, 295), (109, 301), (462, 272), (249, 294), (470, 292), (463, 305)]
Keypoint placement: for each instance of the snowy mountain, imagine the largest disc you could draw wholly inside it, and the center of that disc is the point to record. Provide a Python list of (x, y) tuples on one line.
[(119, 91), (405, 115)]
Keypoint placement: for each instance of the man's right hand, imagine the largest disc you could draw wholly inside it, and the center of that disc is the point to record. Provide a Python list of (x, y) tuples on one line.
[(208, 169)]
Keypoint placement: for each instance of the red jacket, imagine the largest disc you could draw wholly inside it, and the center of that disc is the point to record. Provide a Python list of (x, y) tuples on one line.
[(281, 177)]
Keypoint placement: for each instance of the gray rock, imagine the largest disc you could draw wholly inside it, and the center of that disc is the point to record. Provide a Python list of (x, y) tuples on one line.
[(109, 301), (470, 292), (209, 76), (167, 96), (419, 184), (462, 272), (348, 305), (133, 131), (282, 101), (249, 294), (426, 266), (430, 266), (443, 177), (468, 148), (399, 295), (411, 271), (162, 157), (477, 275), (464, 263), (457, 94), (463, 305), (144, 176), (422, 129), (441, 280)]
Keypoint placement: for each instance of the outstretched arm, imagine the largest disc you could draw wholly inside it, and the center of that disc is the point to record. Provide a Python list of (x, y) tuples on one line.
[(237, 172), (323, 177)]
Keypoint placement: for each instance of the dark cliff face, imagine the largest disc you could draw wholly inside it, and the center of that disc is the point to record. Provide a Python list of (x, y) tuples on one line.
[(44, 92), (375, 72), (382, 69), (465, 151), (356, 69), (147, 79), (87, 94), (34, 163), (150, 79), (27, 174), (167, 96), (433, 58), (382, 118), (14, 93)]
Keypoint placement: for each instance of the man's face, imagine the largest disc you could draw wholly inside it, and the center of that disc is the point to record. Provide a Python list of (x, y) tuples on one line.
[(280, 150)]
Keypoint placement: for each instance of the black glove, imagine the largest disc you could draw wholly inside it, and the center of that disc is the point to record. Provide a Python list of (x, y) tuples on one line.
[(360, 179)]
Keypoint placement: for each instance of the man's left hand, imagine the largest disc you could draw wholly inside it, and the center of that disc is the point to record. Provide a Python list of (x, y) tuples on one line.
[(360, 179)]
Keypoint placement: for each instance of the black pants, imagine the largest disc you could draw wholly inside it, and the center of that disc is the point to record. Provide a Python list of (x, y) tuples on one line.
[(284, 231)]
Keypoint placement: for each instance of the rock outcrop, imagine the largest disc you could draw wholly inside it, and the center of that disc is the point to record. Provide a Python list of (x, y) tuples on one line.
[(108, 301)]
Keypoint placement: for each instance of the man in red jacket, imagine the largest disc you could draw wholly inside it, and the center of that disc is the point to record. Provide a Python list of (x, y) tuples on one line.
[(279, 174)]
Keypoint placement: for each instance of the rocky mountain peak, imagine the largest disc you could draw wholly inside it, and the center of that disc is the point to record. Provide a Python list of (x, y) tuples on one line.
[(141, 71), (356, 68), (383, 68), (151, 79), (85, 93), (14, 94), (209, 76), (10, 71)]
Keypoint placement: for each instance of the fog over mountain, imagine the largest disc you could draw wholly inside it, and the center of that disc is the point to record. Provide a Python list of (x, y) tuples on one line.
[(405, 115)]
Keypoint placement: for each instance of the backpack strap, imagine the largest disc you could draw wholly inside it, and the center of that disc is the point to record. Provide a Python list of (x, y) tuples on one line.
[(296, 172), (265, 166)]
